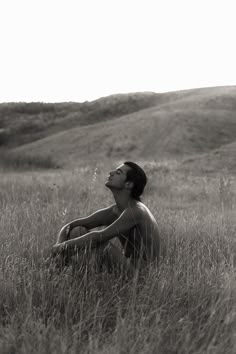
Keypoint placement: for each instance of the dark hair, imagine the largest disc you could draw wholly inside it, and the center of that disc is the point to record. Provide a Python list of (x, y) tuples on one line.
[(136, 175)]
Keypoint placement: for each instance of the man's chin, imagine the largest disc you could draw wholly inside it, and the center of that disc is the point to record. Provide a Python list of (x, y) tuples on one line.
[(109, 185)]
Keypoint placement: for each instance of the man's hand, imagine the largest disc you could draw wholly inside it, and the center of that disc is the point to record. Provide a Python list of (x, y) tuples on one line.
[(64, 233), (58, 248)]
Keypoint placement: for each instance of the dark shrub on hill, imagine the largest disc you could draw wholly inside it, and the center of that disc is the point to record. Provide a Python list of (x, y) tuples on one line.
[(17, 161), (4, 136)]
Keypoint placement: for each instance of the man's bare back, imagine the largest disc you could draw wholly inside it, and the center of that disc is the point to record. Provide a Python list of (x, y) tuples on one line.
[(142, 240)]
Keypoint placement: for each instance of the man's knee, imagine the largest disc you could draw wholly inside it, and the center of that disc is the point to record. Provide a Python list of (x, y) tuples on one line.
[(77, 232)]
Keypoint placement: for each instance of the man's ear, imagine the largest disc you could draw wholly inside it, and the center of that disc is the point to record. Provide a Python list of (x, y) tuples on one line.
[(129, 184)]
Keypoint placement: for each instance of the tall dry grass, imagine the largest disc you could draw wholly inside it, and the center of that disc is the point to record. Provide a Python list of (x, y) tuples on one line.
[(187, 305)]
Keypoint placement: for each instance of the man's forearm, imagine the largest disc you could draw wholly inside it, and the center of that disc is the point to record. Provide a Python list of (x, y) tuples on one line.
[(76, 223), (92, 237)]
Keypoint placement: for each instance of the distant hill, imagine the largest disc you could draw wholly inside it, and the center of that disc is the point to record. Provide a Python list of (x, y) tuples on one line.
[(195, 127), (218, 160), (21, 123)]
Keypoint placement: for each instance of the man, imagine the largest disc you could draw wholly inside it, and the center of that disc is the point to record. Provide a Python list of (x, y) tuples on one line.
[(128, 219)]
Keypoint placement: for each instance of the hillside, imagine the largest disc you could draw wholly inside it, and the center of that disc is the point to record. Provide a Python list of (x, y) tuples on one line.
[(216, 161), (194, 126), (21, 123)]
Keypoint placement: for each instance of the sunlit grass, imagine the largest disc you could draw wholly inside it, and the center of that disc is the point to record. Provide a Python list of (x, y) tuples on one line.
[(187, 305)]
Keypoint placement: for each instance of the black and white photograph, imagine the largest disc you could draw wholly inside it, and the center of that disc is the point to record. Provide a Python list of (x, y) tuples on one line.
[(117, 177)]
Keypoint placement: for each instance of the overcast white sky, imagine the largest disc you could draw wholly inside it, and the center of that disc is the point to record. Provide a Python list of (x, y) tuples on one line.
[(77, 50)]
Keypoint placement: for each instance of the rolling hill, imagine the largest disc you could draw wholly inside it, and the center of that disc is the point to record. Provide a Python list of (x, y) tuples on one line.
[(21, 123), (195, 127), (218, 160)]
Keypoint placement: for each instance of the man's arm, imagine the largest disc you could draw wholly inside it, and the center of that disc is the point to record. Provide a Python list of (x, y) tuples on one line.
[(127, 220), (101, 217)]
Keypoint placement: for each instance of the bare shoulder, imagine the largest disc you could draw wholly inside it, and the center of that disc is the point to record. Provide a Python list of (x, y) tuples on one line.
[(105, 216), (111, 210), (143, 212), (139, 210)]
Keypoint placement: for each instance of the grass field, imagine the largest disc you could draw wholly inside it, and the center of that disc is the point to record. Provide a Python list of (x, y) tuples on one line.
[(187, 305)]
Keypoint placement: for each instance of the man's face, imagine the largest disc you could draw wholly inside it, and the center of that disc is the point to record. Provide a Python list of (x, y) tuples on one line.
[(117, 177)]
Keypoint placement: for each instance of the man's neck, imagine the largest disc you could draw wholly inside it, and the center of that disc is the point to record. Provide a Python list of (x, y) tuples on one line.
[(123, 201)]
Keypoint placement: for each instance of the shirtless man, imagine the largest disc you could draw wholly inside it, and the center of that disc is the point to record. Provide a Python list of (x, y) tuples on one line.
[(128, 219)]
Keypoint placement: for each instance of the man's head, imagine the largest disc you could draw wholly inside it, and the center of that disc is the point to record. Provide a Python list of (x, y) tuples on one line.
[(129, 176), (137, 176)]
